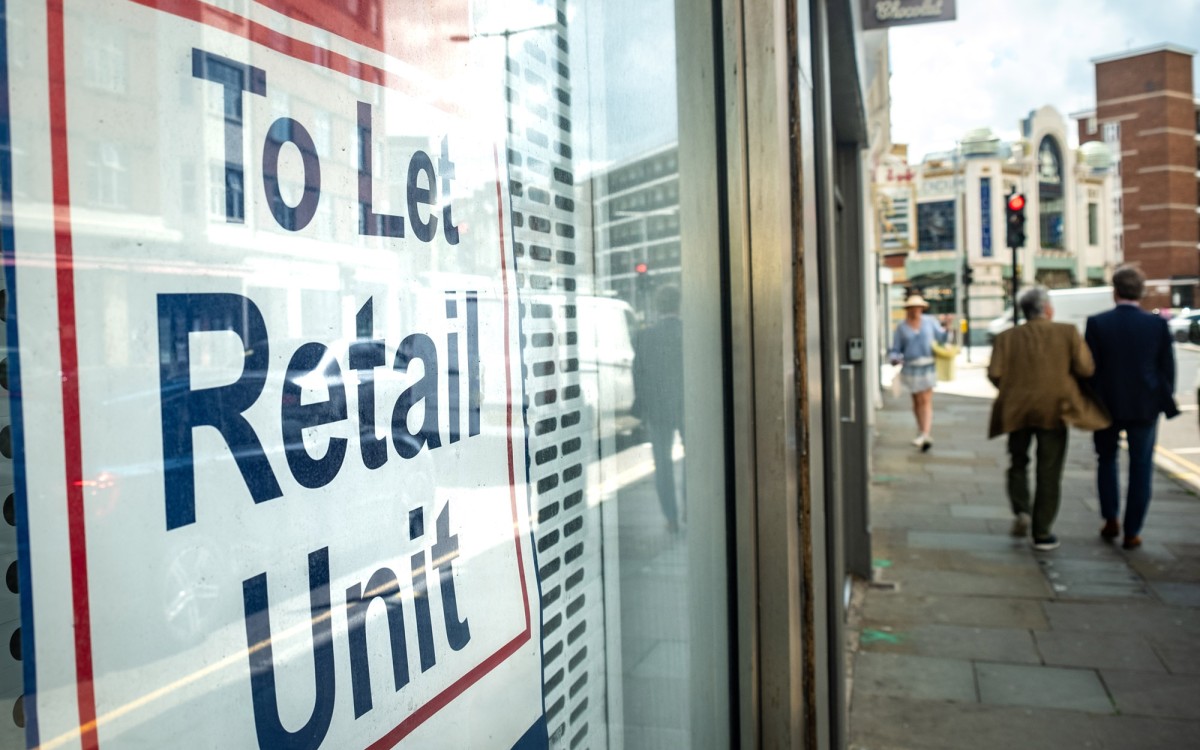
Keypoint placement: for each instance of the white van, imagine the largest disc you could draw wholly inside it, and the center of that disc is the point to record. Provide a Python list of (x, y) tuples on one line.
[(1070, 306)]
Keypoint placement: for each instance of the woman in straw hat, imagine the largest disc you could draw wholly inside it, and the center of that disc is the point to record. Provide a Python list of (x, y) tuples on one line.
[(913, 346)]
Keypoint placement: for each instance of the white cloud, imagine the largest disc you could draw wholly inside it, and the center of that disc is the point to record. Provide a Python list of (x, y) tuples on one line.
[(998, 61)]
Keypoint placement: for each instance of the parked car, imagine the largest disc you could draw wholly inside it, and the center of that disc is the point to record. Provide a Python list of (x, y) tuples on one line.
[(1181, 326)]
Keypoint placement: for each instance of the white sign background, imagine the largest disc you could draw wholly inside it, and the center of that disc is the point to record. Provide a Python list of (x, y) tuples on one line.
[(138, 632)]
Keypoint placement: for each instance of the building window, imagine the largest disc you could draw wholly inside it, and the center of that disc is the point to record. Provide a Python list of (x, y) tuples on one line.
[(935, 226), (229, 77), (108, 183), (187, 188), (1091, 125), (1093, 224), (1112, 132), (104, 63), (1050, 194), (225, 192)]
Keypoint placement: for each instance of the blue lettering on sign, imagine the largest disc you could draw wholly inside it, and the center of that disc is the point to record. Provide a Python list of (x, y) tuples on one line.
[(286, 130), (423, 182), (420, 165), (183, 318), (985, 215), (234, 78), (184, 408), (384, 585), (264, 693)]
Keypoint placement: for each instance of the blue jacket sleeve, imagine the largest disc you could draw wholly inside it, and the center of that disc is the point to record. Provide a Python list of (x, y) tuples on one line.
[(1166, 371)]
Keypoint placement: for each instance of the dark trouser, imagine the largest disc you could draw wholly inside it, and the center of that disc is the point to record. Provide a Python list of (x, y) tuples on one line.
[(1141, 436), (662, 440), (1051, 454)]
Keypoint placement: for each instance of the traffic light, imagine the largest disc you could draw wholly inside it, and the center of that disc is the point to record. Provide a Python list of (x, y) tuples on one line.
[(1014, 211), (642, 283), (968, 275)]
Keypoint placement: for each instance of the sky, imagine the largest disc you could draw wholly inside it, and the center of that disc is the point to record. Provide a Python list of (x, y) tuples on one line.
[(1003, 58)]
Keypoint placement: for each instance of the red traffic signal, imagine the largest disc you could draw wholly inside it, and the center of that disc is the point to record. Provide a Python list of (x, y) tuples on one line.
[(1015, 215), (641, 268)]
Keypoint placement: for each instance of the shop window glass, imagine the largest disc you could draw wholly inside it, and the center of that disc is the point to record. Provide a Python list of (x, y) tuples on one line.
[(347, 407)]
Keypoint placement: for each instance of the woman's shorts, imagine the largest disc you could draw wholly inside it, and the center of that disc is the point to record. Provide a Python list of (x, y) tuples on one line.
[(918, 378)]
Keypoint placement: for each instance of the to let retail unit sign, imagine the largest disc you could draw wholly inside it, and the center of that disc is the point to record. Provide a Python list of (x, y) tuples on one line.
[(264, 356)]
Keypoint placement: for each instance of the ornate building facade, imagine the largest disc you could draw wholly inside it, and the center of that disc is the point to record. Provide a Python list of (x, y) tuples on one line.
[(946, 214)]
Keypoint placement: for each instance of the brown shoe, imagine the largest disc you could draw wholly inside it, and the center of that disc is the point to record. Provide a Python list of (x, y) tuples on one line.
[(1132, 542), (1111, 530)]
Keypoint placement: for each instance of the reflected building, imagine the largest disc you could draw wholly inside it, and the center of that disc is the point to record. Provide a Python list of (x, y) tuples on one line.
[(636, 206)]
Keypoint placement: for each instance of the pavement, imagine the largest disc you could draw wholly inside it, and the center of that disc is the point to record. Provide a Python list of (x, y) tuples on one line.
[(968, 638)]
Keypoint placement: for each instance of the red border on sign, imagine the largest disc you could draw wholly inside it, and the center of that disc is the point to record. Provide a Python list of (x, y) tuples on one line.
[(228, 21), (68, 351)]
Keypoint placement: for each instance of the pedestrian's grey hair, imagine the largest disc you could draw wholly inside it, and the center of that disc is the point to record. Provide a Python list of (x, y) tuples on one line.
[(1033, 302)]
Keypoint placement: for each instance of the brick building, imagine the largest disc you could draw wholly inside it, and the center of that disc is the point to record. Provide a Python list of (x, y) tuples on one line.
[(1147, 111)]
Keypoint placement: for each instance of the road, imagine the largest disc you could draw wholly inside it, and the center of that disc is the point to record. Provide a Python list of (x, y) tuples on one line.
[(1181, 435)]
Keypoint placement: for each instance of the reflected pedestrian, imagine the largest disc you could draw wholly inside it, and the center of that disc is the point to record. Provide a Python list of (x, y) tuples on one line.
[(912, 346), (658, 393), (1135, 380), (1035, 366)]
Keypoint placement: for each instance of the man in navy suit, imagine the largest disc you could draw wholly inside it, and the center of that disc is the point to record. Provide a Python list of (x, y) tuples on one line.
[(1135, 380)]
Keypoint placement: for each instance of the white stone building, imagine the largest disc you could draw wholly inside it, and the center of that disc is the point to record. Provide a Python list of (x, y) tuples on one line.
[(957, 217)]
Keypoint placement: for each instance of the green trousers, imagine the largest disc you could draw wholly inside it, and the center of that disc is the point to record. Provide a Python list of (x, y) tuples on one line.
[(1051, 455)]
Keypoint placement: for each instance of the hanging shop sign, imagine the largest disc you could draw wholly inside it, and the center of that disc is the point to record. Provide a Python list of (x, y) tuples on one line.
[(264, 358), (885, 14)]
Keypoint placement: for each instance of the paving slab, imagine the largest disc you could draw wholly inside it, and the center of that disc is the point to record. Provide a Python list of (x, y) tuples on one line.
[(1141, 733), (1178, 594), (982, 511), (979, 611), (1087, 577), (896, 723), (917, 581), (966, 542), (987, 563), (1011, 645), (1065, 648), (1154, 694), (935, 522), (1123, 617), (1042, 687), (1180, 652), (923, 677)]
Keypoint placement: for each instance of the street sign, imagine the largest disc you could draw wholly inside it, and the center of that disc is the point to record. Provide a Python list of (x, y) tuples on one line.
[(884, 14), (272, 468)]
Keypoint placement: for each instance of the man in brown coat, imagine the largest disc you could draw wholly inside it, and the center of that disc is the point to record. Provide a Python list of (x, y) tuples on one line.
[(1035, 366)]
